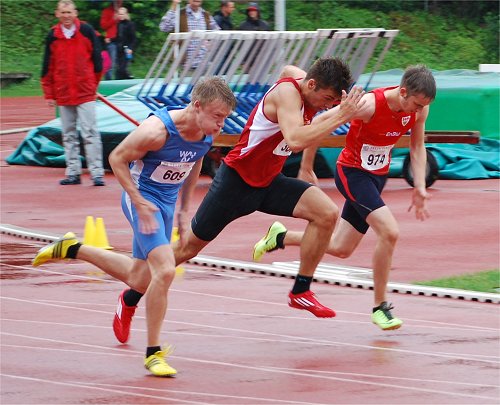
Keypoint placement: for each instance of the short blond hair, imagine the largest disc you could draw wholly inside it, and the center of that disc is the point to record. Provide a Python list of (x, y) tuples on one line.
[(211, 89), (125, 10)]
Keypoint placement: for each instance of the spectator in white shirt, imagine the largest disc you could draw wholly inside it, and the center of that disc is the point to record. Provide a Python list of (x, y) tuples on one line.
[(192, 17)]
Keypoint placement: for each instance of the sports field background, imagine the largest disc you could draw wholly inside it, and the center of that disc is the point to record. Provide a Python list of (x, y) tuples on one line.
[(443, 35)]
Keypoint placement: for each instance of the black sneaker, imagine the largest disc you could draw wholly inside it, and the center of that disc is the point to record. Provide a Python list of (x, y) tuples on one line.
[(74, 179), (98, 181)]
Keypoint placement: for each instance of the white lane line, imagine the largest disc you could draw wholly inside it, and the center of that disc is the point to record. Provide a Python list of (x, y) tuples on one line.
[(320, 342), (109, 280), (15, 130), (289, 269), (306, 374), (95, 388), (439, 325), (294, 340)]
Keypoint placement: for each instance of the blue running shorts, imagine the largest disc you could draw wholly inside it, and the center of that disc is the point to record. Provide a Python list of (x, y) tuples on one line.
[(145, 243)]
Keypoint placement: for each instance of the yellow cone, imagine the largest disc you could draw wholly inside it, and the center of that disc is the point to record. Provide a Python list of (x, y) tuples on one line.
[(89, 231), (179, 270), (100, 238), (175, 234)]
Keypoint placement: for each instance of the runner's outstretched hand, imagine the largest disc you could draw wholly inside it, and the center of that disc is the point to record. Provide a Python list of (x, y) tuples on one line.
[(419, 201), (351, 103)]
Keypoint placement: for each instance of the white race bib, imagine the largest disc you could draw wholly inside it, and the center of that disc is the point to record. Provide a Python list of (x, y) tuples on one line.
[(282, 149), (375, 157), (172, 172)]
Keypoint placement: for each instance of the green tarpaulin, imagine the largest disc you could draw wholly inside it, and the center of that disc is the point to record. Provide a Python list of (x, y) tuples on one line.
[(457, 107), (466, 100)]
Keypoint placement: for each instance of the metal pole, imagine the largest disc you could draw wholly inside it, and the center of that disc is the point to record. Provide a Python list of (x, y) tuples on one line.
[(114, 107), (177, 29), (280, 15)]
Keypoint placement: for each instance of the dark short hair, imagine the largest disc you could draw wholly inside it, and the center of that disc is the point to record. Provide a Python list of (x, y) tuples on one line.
[(331, 73), (418, 79)]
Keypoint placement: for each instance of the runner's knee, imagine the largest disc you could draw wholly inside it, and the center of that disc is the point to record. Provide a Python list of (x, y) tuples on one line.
[(392, 236), (327, 214), (342, 252), (164, 275), (318, 208)]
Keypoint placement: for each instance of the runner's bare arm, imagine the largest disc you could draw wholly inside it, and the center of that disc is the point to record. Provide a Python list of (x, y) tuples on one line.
[(418, 158), (149, 136), (185, 198), (306, 169), (364, 112), (300, 136)]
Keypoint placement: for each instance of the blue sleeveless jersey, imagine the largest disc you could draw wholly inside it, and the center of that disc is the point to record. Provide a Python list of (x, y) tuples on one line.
[(161, 173)]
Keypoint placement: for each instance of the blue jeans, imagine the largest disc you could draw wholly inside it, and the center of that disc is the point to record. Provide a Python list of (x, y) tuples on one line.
[(112, 50)]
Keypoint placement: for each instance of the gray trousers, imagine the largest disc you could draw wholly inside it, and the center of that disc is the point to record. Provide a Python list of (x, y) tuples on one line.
[(85, 114)]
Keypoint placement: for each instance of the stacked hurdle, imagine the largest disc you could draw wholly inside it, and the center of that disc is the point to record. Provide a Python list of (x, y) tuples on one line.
[(251, 61)]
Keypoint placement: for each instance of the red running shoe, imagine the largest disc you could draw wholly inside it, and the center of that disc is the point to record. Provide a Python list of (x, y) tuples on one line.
[(308, 301), (123, 319)]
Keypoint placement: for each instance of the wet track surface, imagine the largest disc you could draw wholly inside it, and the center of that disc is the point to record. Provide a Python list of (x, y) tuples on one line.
[(237, 341)]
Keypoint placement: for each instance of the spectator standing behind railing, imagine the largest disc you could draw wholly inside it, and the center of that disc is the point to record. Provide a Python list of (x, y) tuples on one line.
[(223, 16), (253, 21), (71, 71), (126, 43), (109, 23), (192, 17)]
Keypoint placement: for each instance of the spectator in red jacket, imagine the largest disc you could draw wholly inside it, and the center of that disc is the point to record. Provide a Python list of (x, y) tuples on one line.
[(72, 69), (109, 23)]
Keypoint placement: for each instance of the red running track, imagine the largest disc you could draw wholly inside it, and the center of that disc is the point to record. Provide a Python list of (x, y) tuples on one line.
[(237, 342), (24, 112)]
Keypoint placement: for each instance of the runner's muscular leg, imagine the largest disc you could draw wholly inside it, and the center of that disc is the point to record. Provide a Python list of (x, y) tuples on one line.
[(345, 240), (161, 263), (387, 230), (317, 208), (133, 272), (187, 249)]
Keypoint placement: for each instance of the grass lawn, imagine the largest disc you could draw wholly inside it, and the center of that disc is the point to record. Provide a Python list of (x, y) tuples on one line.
[(486, 281), (31, 87)]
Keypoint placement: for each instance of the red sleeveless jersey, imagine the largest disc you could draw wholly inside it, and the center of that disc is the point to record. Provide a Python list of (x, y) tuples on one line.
[(261, 151), (368, 145)]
